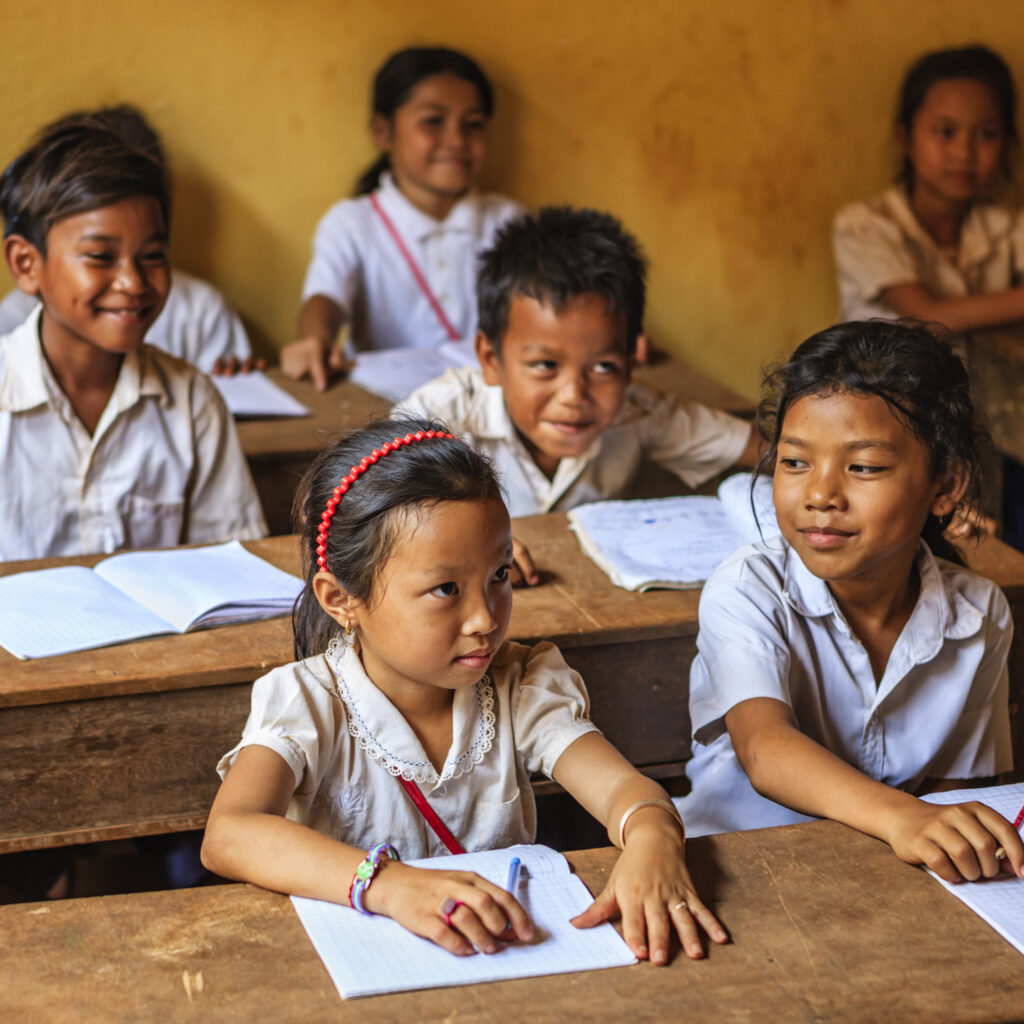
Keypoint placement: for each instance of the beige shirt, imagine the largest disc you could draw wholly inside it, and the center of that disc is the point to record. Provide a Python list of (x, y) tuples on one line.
[(690, 440), (880, 244), (347, 745), (163, 467)]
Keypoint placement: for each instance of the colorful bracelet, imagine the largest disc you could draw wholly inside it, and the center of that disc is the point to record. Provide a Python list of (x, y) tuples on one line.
[(633, 808), (366, 872)]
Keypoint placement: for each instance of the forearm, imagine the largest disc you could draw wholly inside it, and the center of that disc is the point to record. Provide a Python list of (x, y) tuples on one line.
[(279, 854), (964, 313), (790, 768), (320, 318)]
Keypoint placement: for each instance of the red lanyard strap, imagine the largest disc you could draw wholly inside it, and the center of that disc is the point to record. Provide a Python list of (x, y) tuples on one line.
[(416, 272), (454, 846)]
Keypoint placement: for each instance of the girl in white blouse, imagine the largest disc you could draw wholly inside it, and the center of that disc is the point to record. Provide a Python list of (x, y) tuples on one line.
[(843, 669), (397, 264), (411, 726)]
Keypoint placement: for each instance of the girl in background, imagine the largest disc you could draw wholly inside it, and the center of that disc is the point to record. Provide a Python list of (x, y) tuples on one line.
[(397, 264)]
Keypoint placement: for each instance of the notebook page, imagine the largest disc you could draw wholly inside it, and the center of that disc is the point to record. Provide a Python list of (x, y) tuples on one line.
[(256, 395), (758, 522), (998, 901), (182, 584), (371, 955), (395, 373), (55, 611), (665, 542)]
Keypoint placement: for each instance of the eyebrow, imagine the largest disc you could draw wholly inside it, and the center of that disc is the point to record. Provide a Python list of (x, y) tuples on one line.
[(852, 446), (114, 239)]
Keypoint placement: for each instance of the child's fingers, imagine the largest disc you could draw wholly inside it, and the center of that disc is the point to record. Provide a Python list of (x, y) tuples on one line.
[(658, 931), (601, 910), (524, 562), (634, 927), (711, 925), (496, 909), (932, 855), (686, 928)]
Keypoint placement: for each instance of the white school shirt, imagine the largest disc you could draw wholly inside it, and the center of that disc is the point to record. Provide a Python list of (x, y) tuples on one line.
[(196, 324), (358, 266), (346, 745), (880, 243), (163, 467), (770, 628), (688, 439)]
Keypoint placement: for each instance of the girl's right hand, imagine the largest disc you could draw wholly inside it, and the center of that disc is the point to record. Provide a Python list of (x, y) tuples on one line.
[(485, 914), (316, 358), (957, 841)]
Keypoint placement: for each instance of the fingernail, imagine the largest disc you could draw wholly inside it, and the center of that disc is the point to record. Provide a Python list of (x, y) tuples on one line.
[(641, 951), (660, 956)]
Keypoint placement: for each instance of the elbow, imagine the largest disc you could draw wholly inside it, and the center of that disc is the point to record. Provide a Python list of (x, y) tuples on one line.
[(215, 853), (758, 771)]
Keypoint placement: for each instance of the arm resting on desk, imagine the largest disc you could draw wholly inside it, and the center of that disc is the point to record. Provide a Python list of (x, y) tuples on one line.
[(963, 313), (316, 353), (956, 841)]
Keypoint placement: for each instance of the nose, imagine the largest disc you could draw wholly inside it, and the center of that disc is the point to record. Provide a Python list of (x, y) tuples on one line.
[(823, 490), (573, 390), (480, 619), (131, 278)]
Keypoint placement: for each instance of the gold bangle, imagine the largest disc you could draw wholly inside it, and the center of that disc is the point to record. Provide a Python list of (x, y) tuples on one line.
[(633, 808)]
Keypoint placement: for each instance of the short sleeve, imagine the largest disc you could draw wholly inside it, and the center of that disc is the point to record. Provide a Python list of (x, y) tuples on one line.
[(336, 268), (293, 714), (690, 440), (222, 499), (742, 646), (980, 745), (550, 707), (871, 255)]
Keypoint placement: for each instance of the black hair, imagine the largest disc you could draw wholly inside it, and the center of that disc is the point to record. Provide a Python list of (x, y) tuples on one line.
[(912, 370), (81, 162), (975, 62), (400, 74), (558, 255), (366, 521)]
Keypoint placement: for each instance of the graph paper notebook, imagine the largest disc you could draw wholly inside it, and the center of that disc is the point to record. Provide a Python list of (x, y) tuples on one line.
[(998, 901), (367, 956)]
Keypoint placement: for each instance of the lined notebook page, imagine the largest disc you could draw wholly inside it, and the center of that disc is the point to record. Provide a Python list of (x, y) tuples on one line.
[(998, 901), (372, 955)]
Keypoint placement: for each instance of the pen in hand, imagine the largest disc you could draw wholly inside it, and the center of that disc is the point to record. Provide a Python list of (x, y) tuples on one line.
[(513, 875)]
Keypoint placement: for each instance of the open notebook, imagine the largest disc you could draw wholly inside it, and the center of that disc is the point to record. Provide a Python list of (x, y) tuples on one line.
[(998, 901), (395, 373), (367, 956), (138, 594), (253, 395), (674, 543)]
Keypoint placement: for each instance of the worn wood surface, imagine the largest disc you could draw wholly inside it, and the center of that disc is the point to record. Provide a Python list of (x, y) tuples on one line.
[(827, 926), (996, 361)]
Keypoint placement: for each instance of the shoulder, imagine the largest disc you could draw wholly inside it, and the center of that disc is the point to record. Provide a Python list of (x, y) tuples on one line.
[(347, 216), (496, 208), (966, 591), (298, 683), (182, 383), (996, 219), (451, 397), (753, 577), (869, 216), (192, 293)]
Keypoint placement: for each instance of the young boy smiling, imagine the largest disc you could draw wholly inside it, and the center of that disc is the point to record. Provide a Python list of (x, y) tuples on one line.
[(105, 443), (561, 298)]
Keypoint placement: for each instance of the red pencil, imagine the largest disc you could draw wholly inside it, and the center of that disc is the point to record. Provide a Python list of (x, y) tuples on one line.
[(1019, 820)]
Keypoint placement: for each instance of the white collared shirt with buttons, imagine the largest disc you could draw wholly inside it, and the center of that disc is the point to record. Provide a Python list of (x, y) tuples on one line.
[(196, 323), (358, 266), (880, 244), (163, 466), (688, 439), (347, 744), (770, 628)]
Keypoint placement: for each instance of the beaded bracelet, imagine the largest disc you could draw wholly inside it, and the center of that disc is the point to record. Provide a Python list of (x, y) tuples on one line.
[(366, 872)]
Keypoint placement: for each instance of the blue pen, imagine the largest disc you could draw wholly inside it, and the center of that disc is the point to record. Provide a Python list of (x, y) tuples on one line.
[(513, 875)]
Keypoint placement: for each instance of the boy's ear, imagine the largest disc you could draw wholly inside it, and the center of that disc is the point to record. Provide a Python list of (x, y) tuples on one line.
[(380, 130), (24, 261), (490, 361), (952, 487), (335, 599)]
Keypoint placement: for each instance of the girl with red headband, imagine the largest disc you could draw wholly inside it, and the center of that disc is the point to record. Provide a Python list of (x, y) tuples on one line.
[(410, 726)]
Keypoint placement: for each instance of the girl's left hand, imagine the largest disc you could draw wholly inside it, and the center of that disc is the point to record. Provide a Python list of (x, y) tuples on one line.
[(651, 888)]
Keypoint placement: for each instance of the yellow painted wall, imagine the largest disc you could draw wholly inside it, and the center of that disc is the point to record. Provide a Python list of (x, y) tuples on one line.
[(724, 134)]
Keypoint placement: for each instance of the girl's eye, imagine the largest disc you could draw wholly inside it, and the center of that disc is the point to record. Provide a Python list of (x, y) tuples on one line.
[(474, 126), (990, 135), (434, 121), (448, 589), (501, 574), (157, 257), (790, 462)]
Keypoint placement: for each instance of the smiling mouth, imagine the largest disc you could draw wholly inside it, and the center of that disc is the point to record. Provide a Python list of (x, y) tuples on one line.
[(474, 659), (823, 537), (567, 427)]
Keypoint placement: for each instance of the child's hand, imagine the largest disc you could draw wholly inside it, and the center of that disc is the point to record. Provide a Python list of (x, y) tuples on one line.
[(523, 571), (957, 841), (484, 913), (315, 358), (968, 523), (652, 889)]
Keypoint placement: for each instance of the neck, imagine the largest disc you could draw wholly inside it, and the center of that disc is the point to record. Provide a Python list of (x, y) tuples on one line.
[(872, 606), (942, 218), (433, 204)]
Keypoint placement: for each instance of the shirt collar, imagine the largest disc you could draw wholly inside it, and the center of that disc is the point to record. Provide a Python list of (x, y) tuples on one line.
[(976, 238), (415, 225), (27, 381), (938, 615)]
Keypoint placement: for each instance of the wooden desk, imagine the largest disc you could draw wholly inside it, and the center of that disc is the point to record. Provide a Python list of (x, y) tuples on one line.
[(996, 362), (123, 741), (827, 925), (280, 450)]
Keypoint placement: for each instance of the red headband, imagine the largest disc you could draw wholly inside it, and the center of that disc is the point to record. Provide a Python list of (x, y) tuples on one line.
[(353, 474)]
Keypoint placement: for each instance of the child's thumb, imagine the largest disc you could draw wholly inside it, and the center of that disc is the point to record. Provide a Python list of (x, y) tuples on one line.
[(603, 908)]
